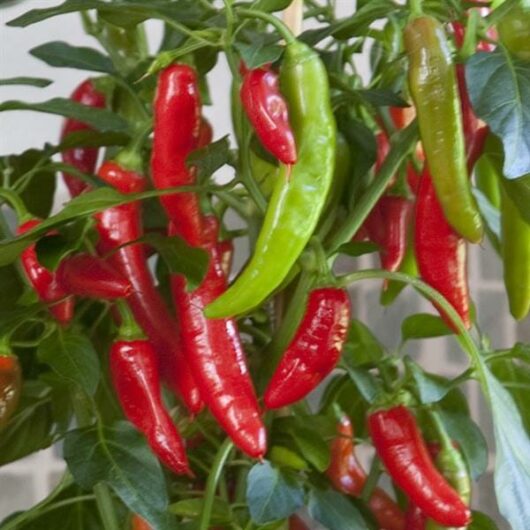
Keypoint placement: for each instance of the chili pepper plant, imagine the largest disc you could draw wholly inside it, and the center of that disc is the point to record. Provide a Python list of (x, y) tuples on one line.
[(188, 393)]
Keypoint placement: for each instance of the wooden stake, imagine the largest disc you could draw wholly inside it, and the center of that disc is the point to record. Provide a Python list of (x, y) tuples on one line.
[(293, 16)]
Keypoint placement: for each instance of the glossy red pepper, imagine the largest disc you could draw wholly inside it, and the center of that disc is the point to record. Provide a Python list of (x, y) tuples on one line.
[(314, 350), (10, 386), (119, 226), (93, 277), (214, 351), (205, 133), (134, 370), (82, 158), (267, 111), (348, 476), (44, 281), (177, 128), (402, 450)]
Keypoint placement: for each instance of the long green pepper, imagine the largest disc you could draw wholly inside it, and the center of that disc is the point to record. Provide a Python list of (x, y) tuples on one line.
[(434, 89), (299, 197)]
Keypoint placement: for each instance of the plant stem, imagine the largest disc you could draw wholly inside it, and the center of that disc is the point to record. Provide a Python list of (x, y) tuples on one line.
[(282, 29), (371, 480), (211, 484), (415, 8)]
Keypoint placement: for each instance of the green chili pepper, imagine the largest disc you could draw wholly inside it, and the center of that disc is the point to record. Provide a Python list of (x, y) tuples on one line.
[(514, 30), (299, 196), (433, 86), (515, 244), (487, 180)]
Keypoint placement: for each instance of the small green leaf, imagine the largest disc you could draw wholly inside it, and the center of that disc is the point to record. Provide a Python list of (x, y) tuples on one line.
[(431, 387), (100, 119), (119, 456), (72, 356), (480, 521), (63, 55), (283, 457), (312, 447), (38, 82), (258, 53), (382, 97), (272, 494), (423, 326), (271, 5), (210, 158), (90, 138), (366, 383), (358, 248), (334, 511), (192, 508), (361, 346)]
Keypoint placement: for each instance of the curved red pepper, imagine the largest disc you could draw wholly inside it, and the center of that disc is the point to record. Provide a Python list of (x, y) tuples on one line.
[(348, 476), (215, 353), (177, 127), (314, 350), (134, 372), (119, 226), (267, 111), (44, 281), (10, 386), (90, 276), (82, 158), (402, 450)]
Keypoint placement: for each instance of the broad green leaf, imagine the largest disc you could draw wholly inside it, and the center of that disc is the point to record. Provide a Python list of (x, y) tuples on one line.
[(334, 511), (119, 456), (271, 5), (272, 494), (100, 119), (258, 53), (192, 508), (361, 346), (11, 286), (180, 257), (89, 138), (499, 88), (423, 326), (73, 357), (312, 447), (283, 457), (38, 82), (382, 97), (431, 387), (480, 521), (358, 248), (210, 158), (64, 55), (366, 383)]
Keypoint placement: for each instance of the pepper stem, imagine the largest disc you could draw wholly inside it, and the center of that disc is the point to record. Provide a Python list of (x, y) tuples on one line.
[(415, 8), (129, 329), (282, 28), (16, 203), (130, 158)]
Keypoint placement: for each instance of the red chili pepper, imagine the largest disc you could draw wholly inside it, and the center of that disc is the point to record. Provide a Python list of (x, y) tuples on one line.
[(44, 281), (205, 133), (402, 450), (348, 476), (177, 125), (93, 277), (314, 350), (296, 523), (139, 524), (133, 365), (119, 226), (10, 384), (267, 111), (215, 353), (82, 158)]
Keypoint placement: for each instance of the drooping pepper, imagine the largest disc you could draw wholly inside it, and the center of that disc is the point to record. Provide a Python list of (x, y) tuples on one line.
[(134, 370), (433, 86), (177, 127), (118, 227), (45, 283), (10, 385), (267, 111), (348, 476), (403, 451), (314, 350), (93, 277), (297, 201), (82, 158)]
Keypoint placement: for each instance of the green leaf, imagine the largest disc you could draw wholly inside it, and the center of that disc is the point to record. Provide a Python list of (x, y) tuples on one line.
[(283, 457), (210, 158), (11, 286), (38, 82), (382, 97), (471, 441), (358, 248), (258, 53), (491, 215), (431, 387), (366, 383), (100, 119), (119, 456), (63, 55), (271, 5), (90, 138), (73, 357), (423, 326), (192, 508), (499, 88), (180, 258), (334, 511), (312, 447), (480, 521), (361, 346), (272, 494)]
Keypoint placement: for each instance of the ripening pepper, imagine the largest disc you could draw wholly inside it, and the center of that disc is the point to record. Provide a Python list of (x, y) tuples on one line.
[(10, 385)]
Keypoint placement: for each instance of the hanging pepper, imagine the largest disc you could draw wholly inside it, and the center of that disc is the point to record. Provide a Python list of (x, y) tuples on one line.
[(45, 283), (348, 476), (90, 276), (118, 227), (297, 201), (10, 385), (433, 86), (267, 111), (177, 127), (214, 351), (314, 350), (134, 370), (82, 158), (402, 450)]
